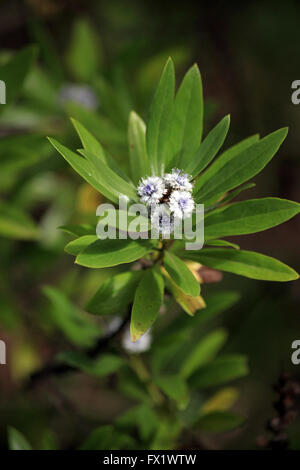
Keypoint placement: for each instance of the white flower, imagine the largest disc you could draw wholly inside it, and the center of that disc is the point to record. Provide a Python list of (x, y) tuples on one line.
[(181, 204), (177, 179), (162, 219), (113, 325), (139, 346), (151, 189)]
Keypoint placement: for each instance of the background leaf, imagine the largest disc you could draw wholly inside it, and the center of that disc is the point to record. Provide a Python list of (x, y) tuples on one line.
[(206, 350), (16, 440), (115, 294)]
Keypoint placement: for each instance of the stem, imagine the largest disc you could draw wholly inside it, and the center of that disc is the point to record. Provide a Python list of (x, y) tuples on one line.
[(142, 372)]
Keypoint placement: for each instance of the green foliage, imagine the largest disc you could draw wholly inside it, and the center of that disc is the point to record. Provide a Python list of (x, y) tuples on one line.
[(16, 440), (181, 275), (14, 72), (147, 302), (245, 263), (184, 362), (158, 128), (84, 54), (78, 328)]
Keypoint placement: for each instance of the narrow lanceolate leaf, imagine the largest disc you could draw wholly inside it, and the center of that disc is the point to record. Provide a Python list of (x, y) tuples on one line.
[(115, 294), (85, 169), (245, 263), (188, 303), (249, 216), (107, 253), (219, 421), (79, 230), (91, 144), (226, 174), (209, 147), (205, 351), (139, 162), (224, 158), (158, 128), (109, 178), (222, 243), (187, 122), (220, 371), (77, 246), (181, 275), (173, 386), (147, 302), (222, 400)]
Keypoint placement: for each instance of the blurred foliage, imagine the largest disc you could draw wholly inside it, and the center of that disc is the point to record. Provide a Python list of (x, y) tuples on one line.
[(96, 61)]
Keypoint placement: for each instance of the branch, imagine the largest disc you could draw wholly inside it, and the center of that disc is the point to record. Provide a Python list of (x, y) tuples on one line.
[(54, 368)]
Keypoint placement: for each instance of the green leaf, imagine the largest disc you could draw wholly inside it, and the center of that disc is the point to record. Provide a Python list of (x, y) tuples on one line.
[(107, 253), (79, 230), (173, 386), (139, 162), (115, 294), (188, 303), (245, 263), (16, 440), (221, 370), (187, 122), (216, 304), (14, 72), (181, 275), (206, 350), (209, 147), (16, 224), (109, 178), (143, 417), (158, 128), (231, 195), (222, 243), (100, 439), (77, 326), (222, 400), (83, 56), (227, 172), (251, 216), (101, 127), (219, 421), (147, 302), (85, 169), (77, 246), (102, 366), (91, 144)]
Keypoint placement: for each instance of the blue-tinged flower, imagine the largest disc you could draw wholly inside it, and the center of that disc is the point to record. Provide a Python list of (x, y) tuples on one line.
[(181, 204), (177, 179), (151, 189), (162, 219)]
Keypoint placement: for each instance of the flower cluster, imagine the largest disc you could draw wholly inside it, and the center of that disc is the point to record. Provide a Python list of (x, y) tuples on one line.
[(168, 198)]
